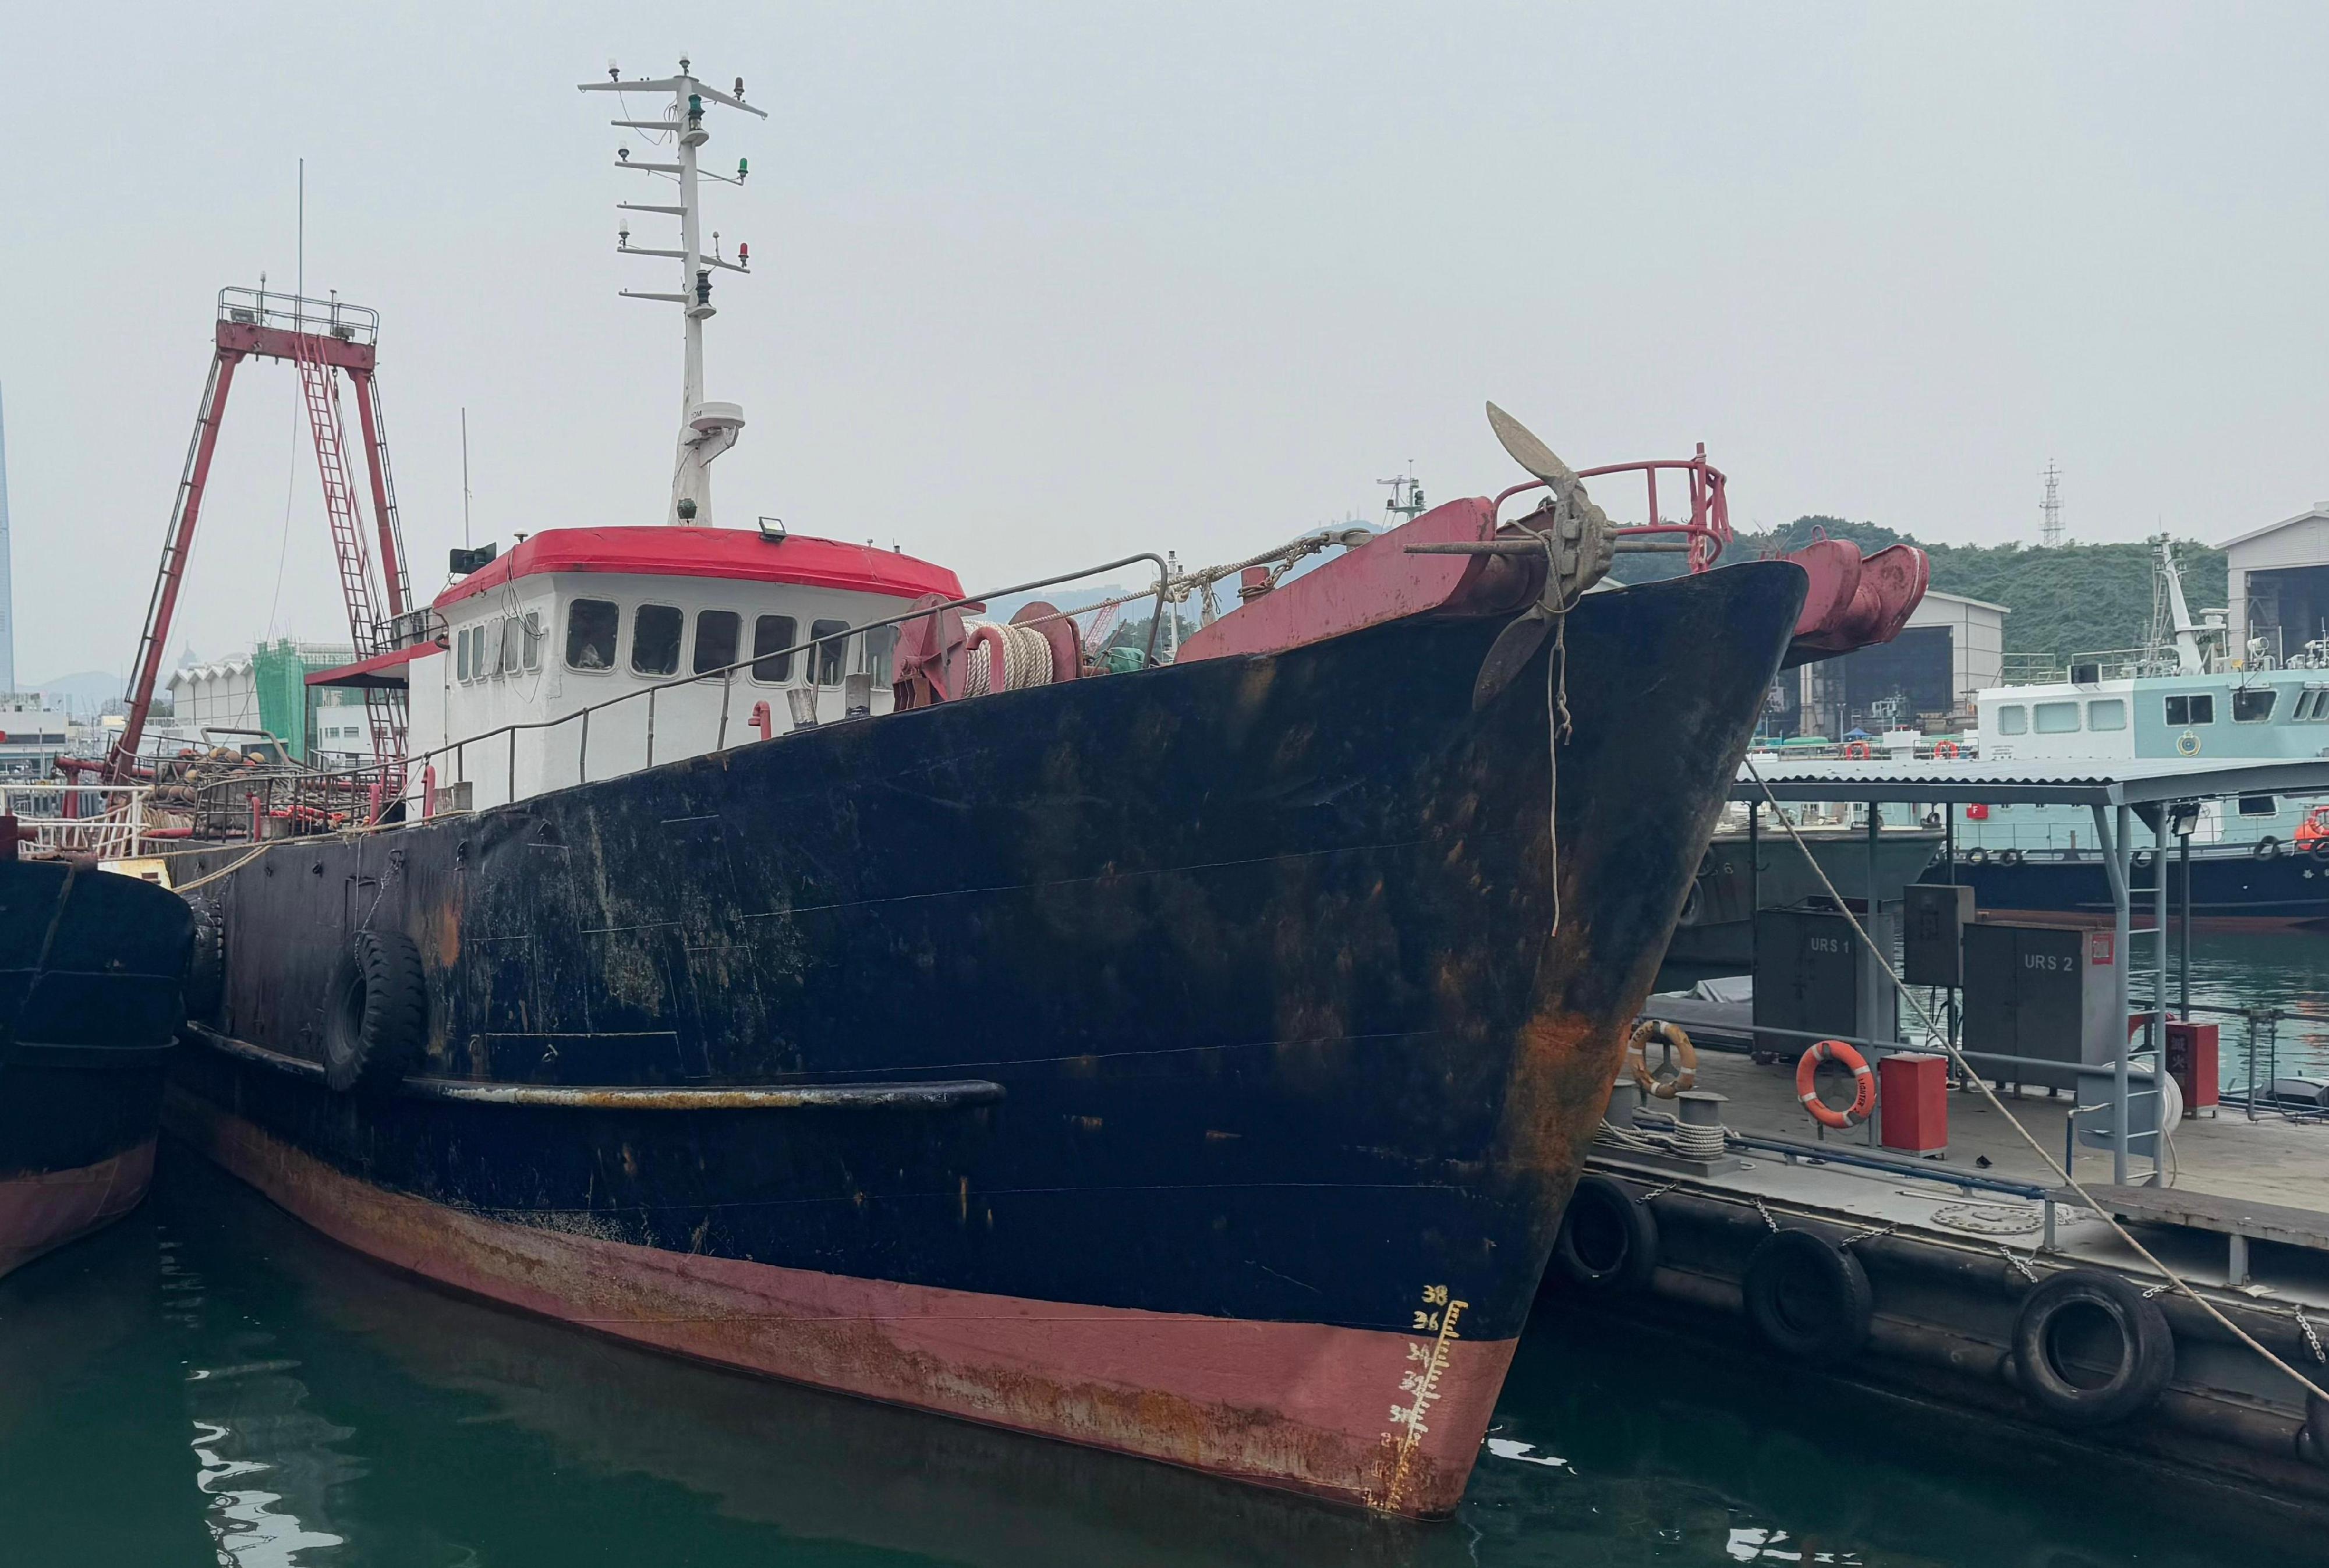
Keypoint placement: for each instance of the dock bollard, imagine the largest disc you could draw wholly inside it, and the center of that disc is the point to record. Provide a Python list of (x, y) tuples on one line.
[(1625, 1099), (1698, 1123)]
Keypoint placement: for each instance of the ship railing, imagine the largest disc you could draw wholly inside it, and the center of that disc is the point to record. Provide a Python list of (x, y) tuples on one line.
[(1708, 530), (55, 818), (2040, 669), (298, 313), (279, 803), (361, 796)]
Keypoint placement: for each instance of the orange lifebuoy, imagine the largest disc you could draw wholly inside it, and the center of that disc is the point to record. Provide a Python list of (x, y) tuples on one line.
[(1945, 749), (1863, 1084), (1856, 749)]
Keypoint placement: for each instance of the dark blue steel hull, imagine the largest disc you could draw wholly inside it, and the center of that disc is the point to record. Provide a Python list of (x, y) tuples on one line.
[(1259, 956)]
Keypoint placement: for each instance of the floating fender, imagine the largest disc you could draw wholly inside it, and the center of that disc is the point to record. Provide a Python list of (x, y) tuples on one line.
[(1976, 856), (2090, 1349), (376, 1013), (2009, 857), (2266, 849), (2313, 1437), (1608, 1242), (1807, 1297)]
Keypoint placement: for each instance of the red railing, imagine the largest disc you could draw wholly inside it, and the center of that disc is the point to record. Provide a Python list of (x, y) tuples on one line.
[(1707, 533)]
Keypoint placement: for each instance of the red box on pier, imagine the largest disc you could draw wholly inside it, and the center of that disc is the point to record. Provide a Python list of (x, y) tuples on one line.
[(2191, 1061), (1912, 1102)]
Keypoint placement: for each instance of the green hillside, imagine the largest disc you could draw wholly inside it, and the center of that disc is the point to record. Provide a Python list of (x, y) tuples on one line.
[(2073, 598)]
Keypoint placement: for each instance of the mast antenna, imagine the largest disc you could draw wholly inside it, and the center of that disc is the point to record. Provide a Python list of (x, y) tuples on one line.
[(707, 429), (1406, 494), (2050, 510)]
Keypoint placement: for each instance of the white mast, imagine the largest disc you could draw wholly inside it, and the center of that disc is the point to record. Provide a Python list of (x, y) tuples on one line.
[(2171, 618), (706, 430)]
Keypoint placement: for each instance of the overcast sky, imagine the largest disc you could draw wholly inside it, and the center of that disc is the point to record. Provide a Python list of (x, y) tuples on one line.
[(1039, 285)]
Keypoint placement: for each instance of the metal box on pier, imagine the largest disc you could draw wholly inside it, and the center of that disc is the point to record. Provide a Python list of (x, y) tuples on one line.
[(1815, 975), (2044, 991), (1933, 918)]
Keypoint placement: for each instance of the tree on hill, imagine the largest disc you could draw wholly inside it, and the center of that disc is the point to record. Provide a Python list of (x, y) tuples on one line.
[(2071, 599)]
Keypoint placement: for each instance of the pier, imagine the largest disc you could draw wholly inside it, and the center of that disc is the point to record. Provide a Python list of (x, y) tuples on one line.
[(1932, 1249)]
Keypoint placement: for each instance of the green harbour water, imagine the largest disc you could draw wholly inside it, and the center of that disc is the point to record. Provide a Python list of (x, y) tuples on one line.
[(209, 1383)]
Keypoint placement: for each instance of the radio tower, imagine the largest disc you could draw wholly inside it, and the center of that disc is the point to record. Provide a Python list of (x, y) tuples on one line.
[(2050, 510)]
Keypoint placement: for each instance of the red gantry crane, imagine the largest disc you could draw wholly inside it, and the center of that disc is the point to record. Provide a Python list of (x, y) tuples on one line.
[(321, 338)]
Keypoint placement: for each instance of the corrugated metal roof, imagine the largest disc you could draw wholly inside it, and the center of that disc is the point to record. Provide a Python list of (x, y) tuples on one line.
[(2099, 783)]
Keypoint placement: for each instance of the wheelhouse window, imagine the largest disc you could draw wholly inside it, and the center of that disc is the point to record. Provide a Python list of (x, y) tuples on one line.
[(461, 653), (881, 645), (717, 632), (534, 639), (2258, 805), (832, 658), (655, 639), (2012, 721), (773, 636), (590, 626), (2253, 705), (2055, 718), (2197, 709), (2106, 714), (2312, 705)]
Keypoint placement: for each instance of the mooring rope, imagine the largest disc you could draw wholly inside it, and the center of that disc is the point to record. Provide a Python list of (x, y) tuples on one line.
[(1940, 1037)]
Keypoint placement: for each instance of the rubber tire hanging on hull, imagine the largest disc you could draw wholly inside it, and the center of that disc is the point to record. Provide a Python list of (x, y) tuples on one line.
[(1807, 1297), (376, 1013), (206, 968), (1620, 1243), (2146, 1355)]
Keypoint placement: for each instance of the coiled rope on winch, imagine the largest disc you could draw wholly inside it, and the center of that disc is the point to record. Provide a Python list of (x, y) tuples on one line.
[(1026, 659)]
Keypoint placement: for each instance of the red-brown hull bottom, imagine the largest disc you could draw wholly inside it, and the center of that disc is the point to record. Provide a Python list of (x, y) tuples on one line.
[(41, 1213), (1307, 1407)]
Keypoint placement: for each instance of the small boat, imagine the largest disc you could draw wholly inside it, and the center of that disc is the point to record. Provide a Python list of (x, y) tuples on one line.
[(93, 975), (2256, 862)]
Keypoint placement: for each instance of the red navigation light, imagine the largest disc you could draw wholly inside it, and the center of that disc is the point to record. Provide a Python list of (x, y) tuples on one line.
[(743, 254)]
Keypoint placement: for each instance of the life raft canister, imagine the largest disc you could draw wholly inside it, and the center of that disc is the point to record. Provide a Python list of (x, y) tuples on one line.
[(1863, 1084)]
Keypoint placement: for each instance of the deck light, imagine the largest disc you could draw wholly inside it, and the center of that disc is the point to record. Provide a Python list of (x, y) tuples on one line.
[(772, 529)]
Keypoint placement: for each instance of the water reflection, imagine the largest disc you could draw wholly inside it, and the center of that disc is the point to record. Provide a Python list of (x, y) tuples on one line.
[(210, 1383)]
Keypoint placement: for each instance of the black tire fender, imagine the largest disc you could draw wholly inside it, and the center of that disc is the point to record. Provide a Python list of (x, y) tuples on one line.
[(1609, 1241), (1807, 1297), (2313, 1437), (376, 1013), (2091, 1398), (2266, 848), (206, 965)]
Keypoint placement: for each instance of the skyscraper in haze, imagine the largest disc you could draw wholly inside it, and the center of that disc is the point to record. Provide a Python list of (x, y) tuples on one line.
[(7, 589)]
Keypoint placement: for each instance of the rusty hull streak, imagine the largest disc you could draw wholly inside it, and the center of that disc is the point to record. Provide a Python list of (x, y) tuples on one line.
[(697, 1307), (941, 1096)]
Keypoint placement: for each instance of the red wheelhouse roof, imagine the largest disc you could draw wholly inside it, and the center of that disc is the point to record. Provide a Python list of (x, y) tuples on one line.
[(663, 550)]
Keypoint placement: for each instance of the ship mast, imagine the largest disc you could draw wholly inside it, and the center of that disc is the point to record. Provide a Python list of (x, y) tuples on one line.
[(707, 429)]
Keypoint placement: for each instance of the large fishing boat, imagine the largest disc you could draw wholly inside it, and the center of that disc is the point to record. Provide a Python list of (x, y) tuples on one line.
[(736, 951), (92, 969)]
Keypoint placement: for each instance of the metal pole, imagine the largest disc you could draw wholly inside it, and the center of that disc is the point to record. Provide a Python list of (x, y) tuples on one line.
[(582, 752), (727, 686), (2184, 937), (2159, 917), (651, 696), (2122, 929)]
